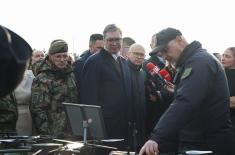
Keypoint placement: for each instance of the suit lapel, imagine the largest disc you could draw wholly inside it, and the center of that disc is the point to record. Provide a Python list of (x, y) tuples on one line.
[(109, 60), (124, 75)]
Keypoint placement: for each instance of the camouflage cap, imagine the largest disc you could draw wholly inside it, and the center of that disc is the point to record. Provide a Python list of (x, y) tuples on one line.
[(58, 46)]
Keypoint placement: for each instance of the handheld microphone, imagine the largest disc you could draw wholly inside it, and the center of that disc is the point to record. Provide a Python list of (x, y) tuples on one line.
[(166, 75), (154, 71)]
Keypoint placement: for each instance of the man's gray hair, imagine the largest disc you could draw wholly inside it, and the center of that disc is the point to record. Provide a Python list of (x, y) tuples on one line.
[(111, 28)]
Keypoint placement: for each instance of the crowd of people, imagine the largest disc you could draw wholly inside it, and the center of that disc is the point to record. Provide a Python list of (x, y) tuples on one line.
[(184, 102)]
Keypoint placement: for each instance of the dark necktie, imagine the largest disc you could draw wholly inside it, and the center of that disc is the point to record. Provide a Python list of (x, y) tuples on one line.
[(117, 64)]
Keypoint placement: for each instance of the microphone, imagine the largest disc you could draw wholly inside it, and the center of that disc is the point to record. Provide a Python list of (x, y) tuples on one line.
[(154, 71), (159, 83), (166, 75)]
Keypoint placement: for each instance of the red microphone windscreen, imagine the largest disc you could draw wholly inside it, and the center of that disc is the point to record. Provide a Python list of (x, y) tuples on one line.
[(164, 73), (150, 66)]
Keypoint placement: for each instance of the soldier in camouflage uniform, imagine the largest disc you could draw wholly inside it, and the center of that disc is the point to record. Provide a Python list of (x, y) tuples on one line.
[(53, 85), (8, 114)]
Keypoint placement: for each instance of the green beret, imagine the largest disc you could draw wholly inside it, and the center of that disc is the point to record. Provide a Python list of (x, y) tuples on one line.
[(58, 46)]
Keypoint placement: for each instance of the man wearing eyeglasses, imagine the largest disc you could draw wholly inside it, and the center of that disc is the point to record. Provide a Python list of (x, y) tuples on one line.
[(136, 55), (106, 83), (198, 117)]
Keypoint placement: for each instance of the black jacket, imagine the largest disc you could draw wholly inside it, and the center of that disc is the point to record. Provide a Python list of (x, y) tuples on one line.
[(137, 109), (199, 114), (78, 67)]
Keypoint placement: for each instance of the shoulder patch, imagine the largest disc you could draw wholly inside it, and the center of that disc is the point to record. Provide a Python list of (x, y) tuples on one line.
[(186, 73)]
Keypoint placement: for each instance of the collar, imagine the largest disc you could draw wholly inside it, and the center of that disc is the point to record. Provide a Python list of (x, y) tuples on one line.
[(190, 50), (115, 56)]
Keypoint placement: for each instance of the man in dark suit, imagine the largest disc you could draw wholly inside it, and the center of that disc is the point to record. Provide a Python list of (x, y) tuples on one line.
[(136, 55), (96, 43), (106, 83)]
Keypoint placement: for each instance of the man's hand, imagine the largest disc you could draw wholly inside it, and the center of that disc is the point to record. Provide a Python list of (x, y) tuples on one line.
[(150, 148), (232, 102), (153, 98), (170, 87)]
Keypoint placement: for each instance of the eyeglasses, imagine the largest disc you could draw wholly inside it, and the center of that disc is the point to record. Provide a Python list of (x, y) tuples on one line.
[(142, 55), (114, 40)]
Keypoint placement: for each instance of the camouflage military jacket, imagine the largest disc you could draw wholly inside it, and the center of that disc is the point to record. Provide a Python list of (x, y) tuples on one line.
[(8, 114), (50, 89)]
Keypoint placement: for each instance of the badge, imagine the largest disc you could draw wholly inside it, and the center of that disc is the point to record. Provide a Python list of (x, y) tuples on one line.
[(186, 73)]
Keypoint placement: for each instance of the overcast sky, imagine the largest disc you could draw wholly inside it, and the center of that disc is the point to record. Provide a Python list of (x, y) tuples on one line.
[(40, 21)]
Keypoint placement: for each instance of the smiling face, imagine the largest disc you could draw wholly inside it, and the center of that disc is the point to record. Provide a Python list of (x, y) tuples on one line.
[(228, 59), (113, 42)]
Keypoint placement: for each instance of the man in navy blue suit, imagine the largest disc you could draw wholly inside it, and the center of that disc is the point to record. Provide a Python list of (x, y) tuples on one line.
[(95, 44), (106, 83)]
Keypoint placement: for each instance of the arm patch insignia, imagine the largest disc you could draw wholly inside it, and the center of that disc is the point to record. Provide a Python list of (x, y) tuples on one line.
[(186, 73)]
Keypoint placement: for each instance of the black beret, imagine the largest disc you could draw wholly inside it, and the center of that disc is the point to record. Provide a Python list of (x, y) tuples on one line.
[(15, 52)]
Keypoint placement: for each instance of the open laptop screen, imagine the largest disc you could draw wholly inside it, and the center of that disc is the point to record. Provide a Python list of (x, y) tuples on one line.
[(77, 113)]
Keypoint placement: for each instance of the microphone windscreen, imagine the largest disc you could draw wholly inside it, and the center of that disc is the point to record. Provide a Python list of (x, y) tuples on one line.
[(164, 73), (150, 66)]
